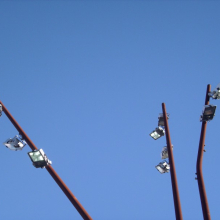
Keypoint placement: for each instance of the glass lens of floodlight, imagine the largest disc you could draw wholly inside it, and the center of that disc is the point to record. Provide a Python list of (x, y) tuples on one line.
[(209, 111), (160, 169), (36, 156), (154, 135), (11, 146)]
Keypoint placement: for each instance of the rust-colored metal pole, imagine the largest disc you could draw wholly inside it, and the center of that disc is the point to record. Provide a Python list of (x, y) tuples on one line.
[(202, 192), (176, 196), (49, 168)]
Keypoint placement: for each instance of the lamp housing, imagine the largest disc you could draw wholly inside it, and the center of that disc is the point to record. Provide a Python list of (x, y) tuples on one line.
[(215, 94), (39, 158), (164, 153), (16, 143), (163, 167), (157, 133), (208, 112), (161, 119)]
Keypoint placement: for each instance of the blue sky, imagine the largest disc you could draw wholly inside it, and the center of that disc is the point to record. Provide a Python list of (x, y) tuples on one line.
[(85, 80)]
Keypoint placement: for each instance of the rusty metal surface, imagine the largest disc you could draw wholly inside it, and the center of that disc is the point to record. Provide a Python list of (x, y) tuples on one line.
[(201, 184), (18, 127), (68, 193), (176, 197), (49, 168)]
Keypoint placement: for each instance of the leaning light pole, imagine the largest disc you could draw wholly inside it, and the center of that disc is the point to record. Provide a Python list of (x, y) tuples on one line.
[(49, 168), (176, 196), (207, 115), (201, 184)]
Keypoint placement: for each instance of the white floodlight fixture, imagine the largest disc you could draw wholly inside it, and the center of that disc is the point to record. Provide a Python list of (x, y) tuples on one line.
[(215, 94), (163, 167), (0, 110), (15, 143), (164, 153), (161, 119), (208, 113), (39, 158), (157, 133)]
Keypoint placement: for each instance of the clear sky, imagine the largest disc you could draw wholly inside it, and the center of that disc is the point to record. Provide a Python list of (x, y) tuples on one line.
[(85, 80)]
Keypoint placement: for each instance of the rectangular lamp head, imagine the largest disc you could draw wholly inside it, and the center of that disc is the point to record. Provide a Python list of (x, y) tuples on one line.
[(39, 158), (157, 133), (208, 113), (163, 167), (16, 143)]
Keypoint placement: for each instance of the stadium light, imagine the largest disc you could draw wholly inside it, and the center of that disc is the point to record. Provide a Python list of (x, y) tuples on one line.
[(39, 158), (157, 133), (46, 162), (208, 113), (16, 143), (163, 167)]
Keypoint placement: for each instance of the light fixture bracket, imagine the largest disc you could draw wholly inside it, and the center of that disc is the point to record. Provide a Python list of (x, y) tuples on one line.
[(164, 153), (215, 94), (161, 119)]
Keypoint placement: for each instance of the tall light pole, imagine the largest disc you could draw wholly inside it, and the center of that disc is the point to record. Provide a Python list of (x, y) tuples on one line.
[(202, 192), (176, 196), (49, 168)]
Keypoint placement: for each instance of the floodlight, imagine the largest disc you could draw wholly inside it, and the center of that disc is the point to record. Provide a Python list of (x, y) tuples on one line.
[(164, 153), (157, 133), (161, 119), (0, 110), (39, 158), (215, 94), (208, 113), (16, 143), (163, 167)]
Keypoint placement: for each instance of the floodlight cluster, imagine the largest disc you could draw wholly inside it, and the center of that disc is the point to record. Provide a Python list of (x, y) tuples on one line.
[(17, 143), (208, 111), (164, 166)]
